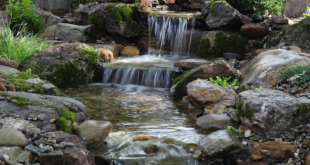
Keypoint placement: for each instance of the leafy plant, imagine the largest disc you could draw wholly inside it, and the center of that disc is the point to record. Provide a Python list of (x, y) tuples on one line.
[(262, 7), (225, 81), (236, 132), (296, 75), (21, 13), (307, 15), (21, 46)]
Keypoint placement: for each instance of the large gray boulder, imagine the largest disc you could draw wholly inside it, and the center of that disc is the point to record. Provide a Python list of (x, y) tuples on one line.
[(224, 16), (211, 97), (72, 33), (66, 65), (271, 111), (50, 19), (221, 143), (93, 132), (10, 137), (296, 35), (264, 70), (40, 109), (295, 8)]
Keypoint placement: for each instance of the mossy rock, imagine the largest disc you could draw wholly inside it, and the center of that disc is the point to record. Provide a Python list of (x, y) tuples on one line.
[(28, 82), (294, 35), (214, 44), (66, 65)]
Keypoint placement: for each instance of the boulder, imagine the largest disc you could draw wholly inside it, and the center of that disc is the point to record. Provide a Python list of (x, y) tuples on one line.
[(78, 156), (50, 19), (279, 20), (53, 4), (296, 8), (9, 63), (145, 6), (84, 10), (130, 51), (25, 105), (48, 33), (219, 68), (93, 133), (254, 30), (214, 122), (224, 16), (104, 17), (264, 70), (190, 63), (143, 43), (17, 154), (220, 143), (116, 49), (297, 35), (67, 65), (211, 97), (72, 33), (270, 111), (52, 158), (12, 137), (272, 149), (214, 44)]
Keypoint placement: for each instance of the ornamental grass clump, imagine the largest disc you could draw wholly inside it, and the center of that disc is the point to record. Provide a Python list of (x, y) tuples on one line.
[(296, 75), (20, 46)]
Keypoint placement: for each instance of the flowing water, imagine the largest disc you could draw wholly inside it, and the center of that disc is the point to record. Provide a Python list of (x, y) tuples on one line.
[(137, 111)]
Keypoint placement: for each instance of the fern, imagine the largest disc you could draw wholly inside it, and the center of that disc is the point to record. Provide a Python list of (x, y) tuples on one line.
[(296, 75), (225, 81)]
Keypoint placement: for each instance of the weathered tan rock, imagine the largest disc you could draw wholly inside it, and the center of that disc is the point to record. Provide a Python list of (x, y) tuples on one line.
[(93, 133), (205, 94), (272, 149), (254, 30), (307, 159), (167, 1), (259, 51), (145, 6), (8, 62), (130, 51)]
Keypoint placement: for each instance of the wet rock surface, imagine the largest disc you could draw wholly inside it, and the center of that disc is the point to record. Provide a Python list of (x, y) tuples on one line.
[(214, 122), (190, 63)]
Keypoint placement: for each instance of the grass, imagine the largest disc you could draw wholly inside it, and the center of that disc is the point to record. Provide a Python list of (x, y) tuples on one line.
[(20, 46)]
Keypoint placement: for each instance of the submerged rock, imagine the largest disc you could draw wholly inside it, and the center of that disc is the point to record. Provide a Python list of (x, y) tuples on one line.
[(264, 70), (270, 111), (93, 133), (66, 65), (221, 143), (211, 97)]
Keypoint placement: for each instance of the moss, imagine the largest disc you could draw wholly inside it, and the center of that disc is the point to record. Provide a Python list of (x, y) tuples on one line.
[(223, 43), (244, 110), (123, 12), (181, 78), (3, 94), (51, 106), (63, 125), (302, 108), (97, 21), (21, 101), (65, 118)]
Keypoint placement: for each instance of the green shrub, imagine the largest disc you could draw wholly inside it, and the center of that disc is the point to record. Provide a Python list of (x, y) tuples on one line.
[(21, 46), (225, 81), (296, 75), (21, 13), (262, 7)]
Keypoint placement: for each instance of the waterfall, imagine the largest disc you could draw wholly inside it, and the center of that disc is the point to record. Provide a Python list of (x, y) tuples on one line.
[(151, 77), (171, 30)]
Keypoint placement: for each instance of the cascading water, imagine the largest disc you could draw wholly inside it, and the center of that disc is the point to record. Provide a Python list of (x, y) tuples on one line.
[(171, 28)]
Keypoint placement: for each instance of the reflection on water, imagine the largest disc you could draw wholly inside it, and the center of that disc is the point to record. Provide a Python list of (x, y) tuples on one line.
[(140, 111)]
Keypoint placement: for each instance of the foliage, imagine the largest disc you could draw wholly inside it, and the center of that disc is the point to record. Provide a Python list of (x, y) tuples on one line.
[(225, 81), (307, 15), (235, 131), (181, 78), (273, 7), (124, 12), (21, 46), (296, 75), (21, 13)]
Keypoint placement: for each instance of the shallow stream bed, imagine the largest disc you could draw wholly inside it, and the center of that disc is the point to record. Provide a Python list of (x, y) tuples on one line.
[(140, 111)]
